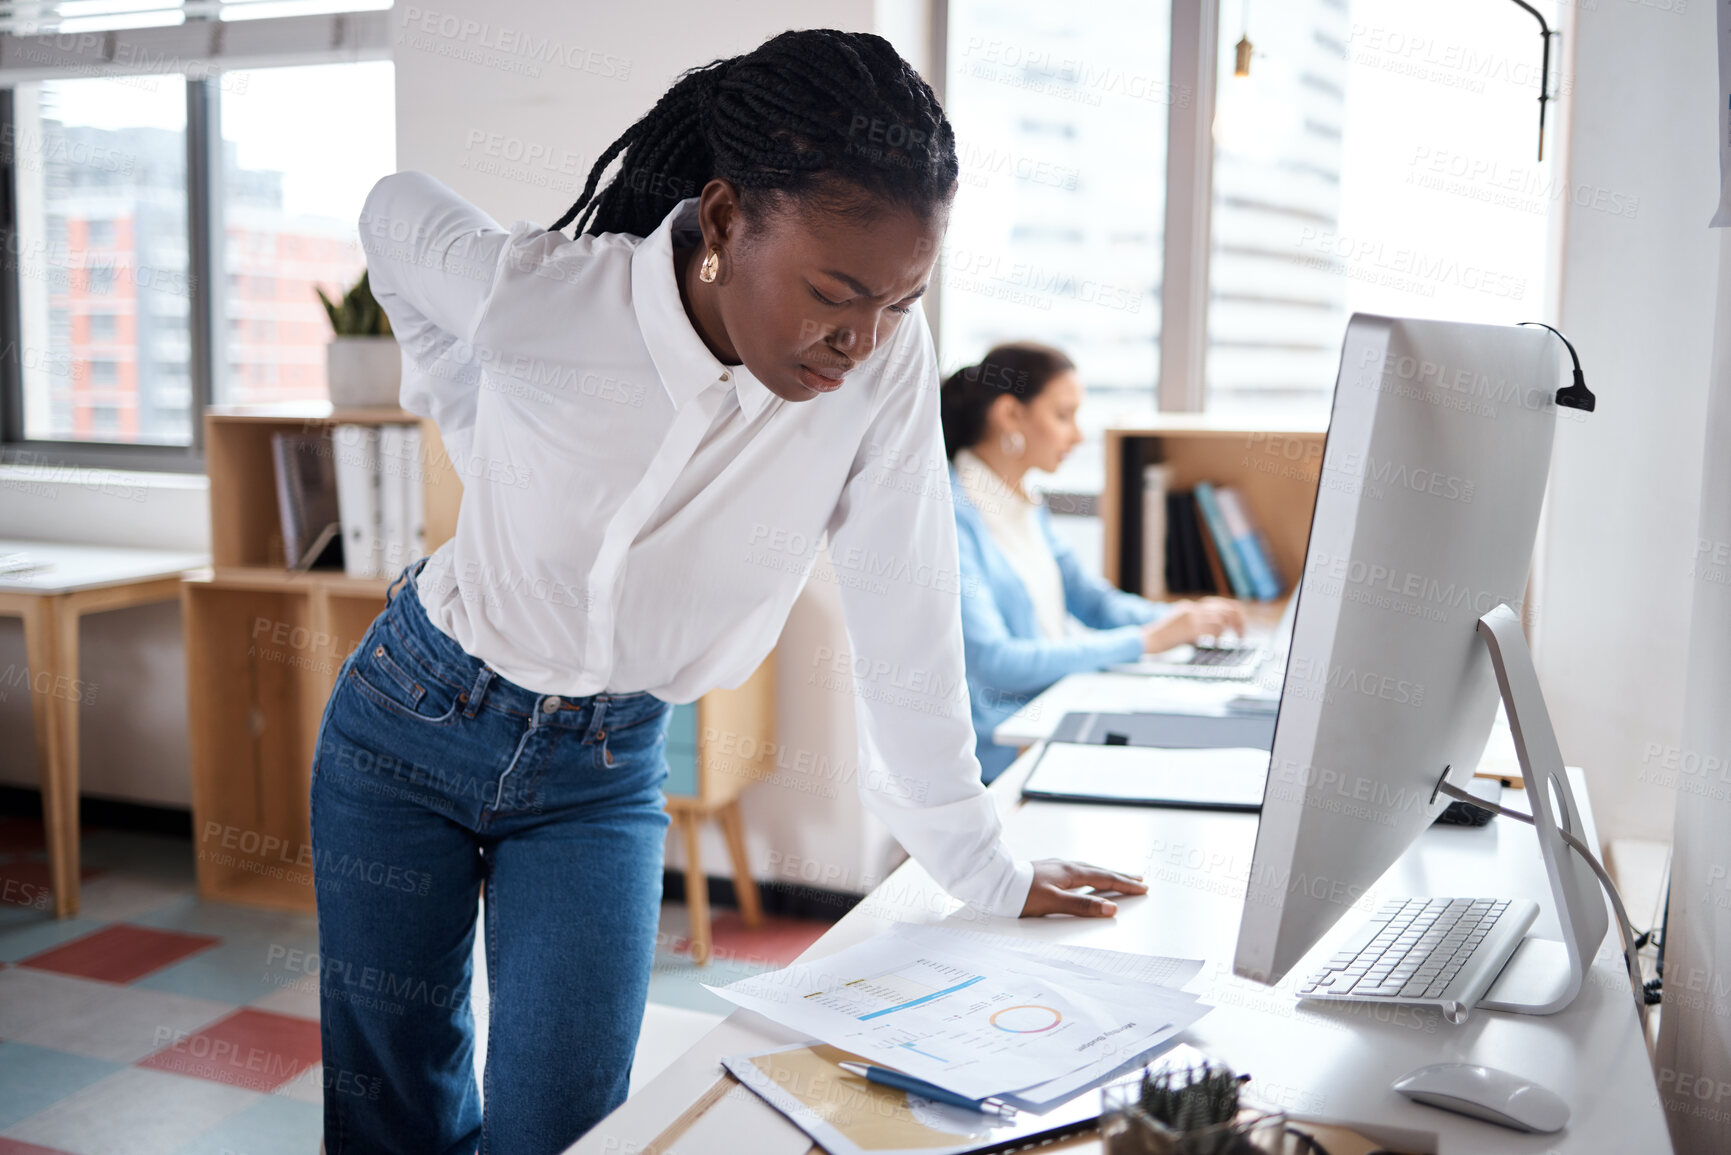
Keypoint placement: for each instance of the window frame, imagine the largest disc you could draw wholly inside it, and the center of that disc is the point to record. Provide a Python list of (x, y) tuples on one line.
[(201, 49)]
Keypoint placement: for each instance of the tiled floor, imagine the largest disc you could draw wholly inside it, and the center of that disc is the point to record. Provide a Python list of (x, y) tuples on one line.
[(156, 1024)]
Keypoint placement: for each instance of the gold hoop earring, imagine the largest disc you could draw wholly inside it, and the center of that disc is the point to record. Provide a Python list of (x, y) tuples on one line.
[(711, 267)]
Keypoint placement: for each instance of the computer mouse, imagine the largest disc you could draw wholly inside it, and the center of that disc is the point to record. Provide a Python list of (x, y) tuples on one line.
[(1487, 1093)]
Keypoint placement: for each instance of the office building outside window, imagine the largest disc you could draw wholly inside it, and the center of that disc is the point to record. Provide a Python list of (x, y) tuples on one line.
[(1060, 113), (102, 267), (300, 148), (1380, 157)]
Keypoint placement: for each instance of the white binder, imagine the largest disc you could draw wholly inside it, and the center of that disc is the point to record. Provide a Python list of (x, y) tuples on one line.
[(393, 498), (414, 478), (357, 459)]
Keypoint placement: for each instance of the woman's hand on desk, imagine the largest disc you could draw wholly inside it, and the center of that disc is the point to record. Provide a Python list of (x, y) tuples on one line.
[(1205, 618), (1053, 890)]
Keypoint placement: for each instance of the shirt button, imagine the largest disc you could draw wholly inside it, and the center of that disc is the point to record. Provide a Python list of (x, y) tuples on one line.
[(549, 705), (726, 376)]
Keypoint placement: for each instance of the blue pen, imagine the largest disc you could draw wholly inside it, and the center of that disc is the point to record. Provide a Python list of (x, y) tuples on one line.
[(925, 1090)]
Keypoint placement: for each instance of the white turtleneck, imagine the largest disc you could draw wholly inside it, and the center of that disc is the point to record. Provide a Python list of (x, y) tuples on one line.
[(1013, 520)]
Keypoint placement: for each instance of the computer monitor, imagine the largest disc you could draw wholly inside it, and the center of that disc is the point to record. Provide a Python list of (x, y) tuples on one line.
[(1432, 477)]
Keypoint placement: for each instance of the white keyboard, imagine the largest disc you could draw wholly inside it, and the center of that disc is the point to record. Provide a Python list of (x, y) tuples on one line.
[(1425, 950)]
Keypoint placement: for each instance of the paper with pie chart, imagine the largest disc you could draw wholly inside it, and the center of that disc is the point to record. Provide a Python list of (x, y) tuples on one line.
[(967, 1016)]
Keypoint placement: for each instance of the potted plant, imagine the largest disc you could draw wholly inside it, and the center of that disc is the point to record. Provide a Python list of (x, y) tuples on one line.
[(363, 366)]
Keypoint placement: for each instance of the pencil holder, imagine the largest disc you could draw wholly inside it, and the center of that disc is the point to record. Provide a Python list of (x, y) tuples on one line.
[(1156, 1115)]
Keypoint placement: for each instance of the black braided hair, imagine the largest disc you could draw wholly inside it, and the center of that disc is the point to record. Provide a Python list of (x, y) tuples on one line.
[(1021, 369), (805, 110)]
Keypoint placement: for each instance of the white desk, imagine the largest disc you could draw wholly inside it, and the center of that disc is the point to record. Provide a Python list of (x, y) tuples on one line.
[(1132, 693), (78, 580), (1335, 1061)]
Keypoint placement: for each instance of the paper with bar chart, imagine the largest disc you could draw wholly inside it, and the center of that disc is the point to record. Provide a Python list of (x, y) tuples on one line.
[(969, 1016)]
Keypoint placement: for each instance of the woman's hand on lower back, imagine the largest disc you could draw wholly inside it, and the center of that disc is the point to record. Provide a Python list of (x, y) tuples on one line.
[(1055, 880)]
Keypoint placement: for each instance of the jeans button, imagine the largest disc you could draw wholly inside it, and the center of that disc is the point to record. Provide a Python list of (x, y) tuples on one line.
[(548, 705)]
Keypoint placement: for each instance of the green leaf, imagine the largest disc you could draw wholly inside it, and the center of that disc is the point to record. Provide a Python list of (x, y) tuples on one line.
[(358, 314)]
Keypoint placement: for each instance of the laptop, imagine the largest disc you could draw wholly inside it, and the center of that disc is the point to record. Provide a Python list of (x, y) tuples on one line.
[(1219, 660)]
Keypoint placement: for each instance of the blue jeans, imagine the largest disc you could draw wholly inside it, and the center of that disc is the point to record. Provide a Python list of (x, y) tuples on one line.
[(436, 782)]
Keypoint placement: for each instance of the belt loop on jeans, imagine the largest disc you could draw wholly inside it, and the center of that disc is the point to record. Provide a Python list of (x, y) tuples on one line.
[(597, 721), (472, 703), (409, 572)]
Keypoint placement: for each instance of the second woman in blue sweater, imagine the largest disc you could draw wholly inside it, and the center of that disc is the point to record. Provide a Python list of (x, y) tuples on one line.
[(1023, 589)]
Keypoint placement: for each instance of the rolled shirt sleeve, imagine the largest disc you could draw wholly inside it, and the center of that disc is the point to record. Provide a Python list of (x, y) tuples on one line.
[(894, 522)]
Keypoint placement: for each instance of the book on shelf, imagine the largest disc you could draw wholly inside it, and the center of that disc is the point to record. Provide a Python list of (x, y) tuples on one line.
[(306, 494), (1155, 481), (379, 480), (1202, 540), (1192, 573), (1251, 546), (1219, 541)]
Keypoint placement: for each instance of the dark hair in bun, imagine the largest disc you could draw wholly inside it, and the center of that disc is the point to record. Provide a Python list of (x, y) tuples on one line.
[(1020, 369)]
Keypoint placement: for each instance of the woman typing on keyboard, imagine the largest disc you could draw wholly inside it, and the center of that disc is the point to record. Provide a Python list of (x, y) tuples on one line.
[(1023, 591)]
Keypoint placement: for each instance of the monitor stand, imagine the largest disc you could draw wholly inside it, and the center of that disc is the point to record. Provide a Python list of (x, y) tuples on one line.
[(1543, 975)]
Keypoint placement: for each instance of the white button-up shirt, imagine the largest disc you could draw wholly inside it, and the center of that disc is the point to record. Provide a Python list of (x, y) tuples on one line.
[(637, 515)]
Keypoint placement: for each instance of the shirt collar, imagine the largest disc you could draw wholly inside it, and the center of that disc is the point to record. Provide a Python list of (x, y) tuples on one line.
[(685, 364)]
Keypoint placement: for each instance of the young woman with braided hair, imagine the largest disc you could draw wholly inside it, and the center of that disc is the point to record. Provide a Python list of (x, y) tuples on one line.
[(655, 424)]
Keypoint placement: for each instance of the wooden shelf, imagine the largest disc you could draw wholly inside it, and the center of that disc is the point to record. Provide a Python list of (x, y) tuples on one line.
[(259, 577), (1276, 468), (263, 647)]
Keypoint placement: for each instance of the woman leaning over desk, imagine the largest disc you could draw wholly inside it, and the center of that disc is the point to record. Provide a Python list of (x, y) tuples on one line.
[(1016, 411), (644, 419)]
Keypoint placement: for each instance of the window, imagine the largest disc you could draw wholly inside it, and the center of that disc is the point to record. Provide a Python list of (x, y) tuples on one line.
[(1380, 157), (291, 196), (98, 161), (1060, 113), (115, 263)]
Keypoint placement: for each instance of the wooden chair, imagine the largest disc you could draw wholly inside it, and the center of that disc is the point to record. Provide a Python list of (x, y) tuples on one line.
[(716, 747)]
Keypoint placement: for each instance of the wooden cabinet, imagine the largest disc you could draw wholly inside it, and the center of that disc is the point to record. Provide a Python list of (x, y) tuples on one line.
[(263, 646)]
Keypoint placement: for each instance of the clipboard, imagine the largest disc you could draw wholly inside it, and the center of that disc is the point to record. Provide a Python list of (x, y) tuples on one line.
[(1208, 778), (848, 1116)]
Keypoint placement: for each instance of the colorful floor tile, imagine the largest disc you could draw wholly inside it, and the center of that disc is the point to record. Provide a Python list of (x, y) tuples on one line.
[(14, 1147), (26, 937), (95, 1019), (120, 954), (36, 1077), (254, 1049), (133, 1112), (275, 1125), (240, 970)]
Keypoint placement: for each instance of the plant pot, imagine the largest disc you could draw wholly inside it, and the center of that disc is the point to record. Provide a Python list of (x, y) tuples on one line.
[(363, 372), (1129, 1130)]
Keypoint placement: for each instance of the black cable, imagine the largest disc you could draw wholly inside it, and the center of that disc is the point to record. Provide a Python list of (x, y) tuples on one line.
[(1545, 34), (1625, 928), (1576, 396)]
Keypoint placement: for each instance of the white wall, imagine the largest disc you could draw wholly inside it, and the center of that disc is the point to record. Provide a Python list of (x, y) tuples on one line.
[(464, 122), (132, 735), (1636, 297)]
